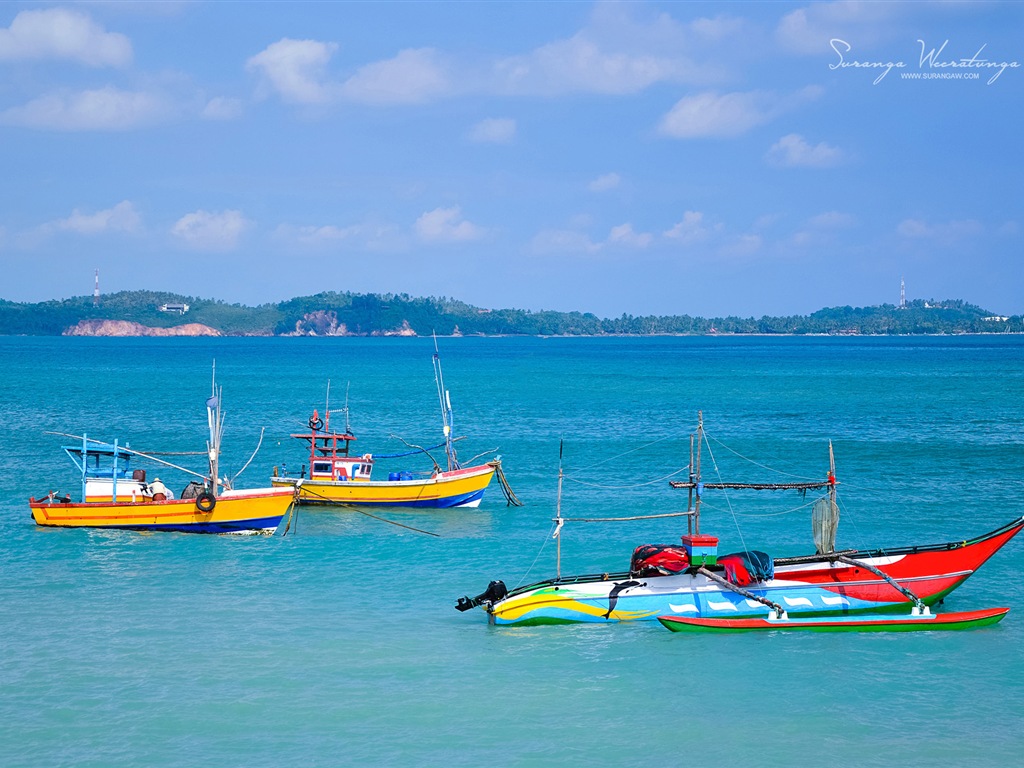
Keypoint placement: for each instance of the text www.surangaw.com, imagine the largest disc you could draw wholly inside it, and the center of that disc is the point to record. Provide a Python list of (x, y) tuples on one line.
[(940, 75)]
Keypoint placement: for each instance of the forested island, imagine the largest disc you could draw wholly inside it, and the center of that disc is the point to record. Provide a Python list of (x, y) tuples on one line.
[(152, 313)]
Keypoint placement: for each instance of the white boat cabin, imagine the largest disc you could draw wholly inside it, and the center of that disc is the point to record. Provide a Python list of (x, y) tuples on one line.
[(341, 468)]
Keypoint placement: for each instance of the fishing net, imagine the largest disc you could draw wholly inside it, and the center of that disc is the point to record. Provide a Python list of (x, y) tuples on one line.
[(824, 521)]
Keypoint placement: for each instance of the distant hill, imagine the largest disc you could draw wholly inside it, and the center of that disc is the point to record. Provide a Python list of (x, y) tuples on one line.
[(352, 314)]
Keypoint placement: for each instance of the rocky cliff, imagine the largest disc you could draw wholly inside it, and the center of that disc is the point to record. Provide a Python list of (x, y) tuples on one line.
[(126, 328)]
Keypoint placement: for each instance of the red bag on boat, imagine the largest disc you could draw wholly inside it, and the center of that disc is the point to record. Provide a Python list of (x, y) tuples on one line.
[(664, 559), (736, 570)]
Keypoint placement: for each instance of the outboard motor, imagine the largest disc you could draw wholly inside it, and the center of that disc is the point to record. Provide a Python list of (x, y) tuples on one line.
[(495, 591)]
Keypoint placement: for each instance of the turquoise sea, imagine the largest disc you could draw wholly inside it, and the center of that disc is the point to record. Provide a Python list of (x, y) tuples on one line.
[(338, 644)]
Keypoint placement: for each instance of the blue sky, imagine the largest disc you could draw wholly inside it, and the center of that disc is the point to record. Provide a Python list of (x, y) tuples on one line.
[(644, 158)]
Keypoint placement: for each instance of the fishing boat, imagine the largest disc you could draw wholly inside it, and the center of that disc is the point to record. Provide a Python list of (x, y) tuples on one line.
[(117, 494), (340, 476), (692, 580)]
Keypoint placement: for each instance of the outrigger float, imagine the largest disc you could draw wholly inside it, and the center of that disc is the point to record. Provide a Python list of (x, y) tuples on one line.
[(691, 588), (115, 494), (338, 476), (914, 622)]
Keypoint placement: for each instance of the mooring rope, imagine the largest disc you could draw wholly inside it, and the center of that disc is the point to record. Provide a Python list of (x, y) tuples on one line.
[(354, 508), (510, 495)]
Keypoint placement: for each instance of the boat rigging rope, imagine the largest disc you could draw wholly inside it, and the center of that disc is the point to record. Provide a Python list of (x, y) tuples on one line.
[(437, 467), (728, 501), (554, 531), (623, 519), (627, 487), (768, 514), (411, 453), (239, 472), (748, 459), (626, 453)]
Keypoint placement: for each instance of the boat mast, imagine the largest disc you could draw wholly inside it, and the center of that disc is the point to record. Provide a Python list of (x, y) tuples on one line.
[(831, 476), (215, 422), (689, 497), (697, 484), (557, 536), (85, 463), (446, 409)]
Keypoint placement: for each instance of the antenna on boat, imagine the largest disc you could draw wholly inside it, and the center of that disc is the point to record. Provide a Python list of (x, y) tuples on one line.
[(327, 407), (557, 535), (348, 426)]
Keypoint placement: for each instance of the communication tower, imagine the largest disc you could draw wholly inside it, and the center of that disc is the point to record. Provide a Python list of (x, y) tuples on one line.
[(903, 295), (96, 291)]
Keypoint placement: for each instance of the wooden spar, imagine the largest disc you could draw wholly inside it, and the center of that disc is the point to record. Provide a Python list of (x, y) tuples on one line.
[(780, 612), (755, 486), (917, 601)]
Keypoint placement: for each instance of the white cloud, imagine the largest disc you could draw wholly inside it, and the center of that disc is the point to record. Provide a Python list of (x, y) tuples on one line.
[(716, 115), (604, 183), (121, 218), (446, 224), (792, 151), (414, 76), (622, 49), (943, 232), (742, 245), (624, 235), (325, 235), (220, 108), (107, 109), (808, 30), (690, 230), (493, 130), (555, 241), (204, 230), (581, 65), (711, 114), (295, 69), (831, 220), (60, 33)]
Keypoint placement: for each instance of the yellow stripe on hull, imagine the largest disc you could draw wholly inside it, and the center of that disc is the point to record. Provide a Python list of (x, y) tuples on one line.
[(235, 511), (441, 491)]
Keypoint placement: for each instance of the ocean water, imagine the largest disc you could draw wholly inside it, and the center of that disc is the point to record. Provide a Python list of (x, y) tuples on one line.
[(339, 643)]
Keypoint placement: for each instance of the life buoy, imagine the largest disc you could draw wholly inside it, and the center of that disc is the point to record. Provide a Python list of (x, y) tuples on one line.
[(315, 422), (206, 501)]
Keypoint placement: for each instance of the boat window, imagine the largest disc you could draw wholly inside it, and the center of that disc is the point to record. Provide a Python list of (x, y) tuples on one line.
[(322, 467)]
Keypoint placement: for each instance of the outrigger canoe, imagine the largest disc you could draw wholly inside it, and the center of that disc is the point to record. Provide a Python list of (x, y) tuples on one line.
[(915, 622), (692, 580)]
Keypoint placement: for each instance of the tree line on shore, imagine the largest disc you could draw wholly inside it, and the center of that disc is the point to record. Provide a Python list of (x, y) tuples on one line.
[(342, 313)]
